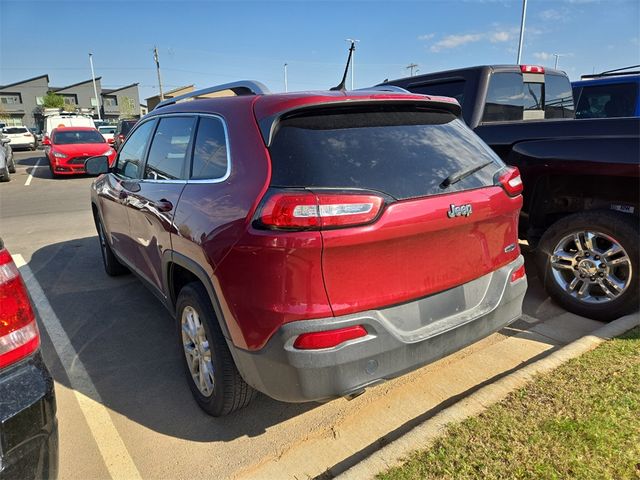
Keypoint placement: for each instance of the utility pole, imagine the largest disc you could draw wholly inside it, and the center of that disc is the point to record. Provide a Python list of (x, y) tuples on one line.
[(353, 64), (286, 83), (411, 67), (557, 55), (520, 43), (157, 60), (95, 90)]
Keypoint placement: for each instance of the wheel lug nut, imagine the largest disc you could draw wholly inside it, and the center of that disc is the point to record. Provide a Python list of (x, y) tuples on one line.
[(597, 257), (575, 267), (601, 274), (602, 265), (586, 254), (593, 279), (578, 259), (582, 275)]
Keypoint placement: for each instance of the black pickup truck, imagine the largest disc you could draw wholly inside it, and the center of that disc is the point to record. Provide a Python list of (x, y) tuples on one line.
[(581, 178)]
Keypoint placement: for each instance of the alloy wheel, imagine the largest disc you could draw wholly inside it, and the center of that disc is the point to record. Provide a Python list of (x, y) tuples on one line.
[(197, 351), (591, 266)]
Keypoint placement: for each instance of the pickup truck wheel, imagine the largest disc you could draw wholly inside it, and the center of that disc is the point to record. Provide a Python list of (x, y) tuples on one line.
[(589, 263), (213, 377), (112, 265)]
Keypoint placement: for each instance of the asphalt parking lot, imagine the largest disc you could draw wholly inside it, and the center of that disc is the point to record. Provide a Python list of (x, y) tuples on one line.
[(124, 407)]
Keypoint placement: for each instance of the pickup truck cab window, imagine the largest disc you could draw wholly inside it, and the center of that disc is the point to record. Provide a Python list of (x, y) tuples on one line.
[(132, 152), (505, 98), (169, 150), (558, 102)]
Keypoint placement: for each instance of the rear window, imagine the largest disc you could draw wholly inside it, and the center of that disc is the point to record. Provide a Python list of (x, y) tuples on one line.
[(14, 130), (558, 102), (402, 152), (452, 88), (67, 137), (107, 129), (126, 127), (607, 101)]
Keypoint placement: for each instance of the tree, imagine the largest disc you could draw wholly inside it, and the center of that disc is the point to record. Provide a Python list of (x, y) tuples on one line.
[(52, 100), (127, 107)]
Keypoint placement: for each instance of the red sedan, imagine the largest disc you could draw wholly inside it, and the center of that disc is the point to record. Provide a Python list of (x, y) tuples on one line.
[(69, 147)]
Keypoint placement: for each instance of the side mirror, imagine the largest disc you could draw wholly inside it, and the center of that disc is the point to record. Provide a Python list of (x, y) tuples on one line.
[(46, 141), (96, 165)]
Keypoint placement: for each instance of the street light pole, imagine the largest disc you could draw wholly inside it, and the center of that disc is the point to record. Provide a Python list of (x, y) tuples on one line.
[(520, 43), (555, 66), (157, 60), (95, 90), (286, 83), (353, 64)]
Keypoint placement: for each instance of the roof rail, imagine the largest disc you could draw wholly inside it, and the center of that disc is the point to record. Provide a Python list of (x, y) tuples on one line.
[(384, 88), (612, 73), (243, 87)]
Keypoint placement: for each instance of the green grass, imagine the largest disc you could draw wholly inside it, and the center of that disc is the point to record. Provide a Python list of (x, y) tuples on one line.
[(581, 421)]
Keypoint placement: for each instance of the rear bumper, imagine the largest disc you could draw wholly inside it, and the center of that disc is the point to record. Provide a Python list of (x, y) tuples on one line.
[(28, 426), (400, 339)]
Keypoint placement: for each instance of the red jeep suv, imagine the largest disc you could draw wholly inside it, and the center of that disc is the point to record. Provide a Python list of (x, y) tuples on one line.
[(312, 244)]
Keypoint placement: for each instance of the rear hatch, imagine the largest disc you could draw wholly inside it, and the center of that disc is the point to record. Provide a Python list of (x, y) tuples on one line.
[(406, 197)]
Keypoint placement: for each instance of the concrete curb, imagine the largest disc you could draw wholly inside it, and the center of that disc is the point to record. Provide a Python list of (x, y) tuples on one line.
[(420, 437)]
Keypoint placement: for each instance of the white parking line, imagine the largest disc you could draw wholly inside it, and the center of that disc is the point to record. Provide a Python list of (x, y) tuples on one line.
[(112, 448), (30, 177)]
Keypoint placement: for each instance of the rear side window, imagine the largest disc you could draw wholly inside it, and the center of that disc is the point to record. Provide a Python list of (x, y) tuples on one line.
[(558, 101), (210, 152), (505, 98), (168, 153), (454, 89), (131, 153), (404, 153), (605, 101)]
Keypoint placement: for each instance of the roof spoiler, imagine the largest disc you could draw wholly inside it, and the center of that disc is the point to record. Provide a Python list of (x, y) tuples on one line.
[(243, 87)]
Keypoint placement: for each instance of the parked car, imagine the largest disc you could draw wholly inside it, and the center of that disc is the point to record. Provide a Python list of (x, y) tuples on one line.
[(107, 131), (7, 162), (57, 119), (581, 179), (68, 148), (312, 244), (122, 130), (28, 425), (20, 137), (611, 94)]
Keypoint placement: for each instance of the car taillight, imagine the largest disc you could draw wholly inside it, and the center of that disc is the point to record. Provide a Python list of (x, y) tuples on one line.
[(531, 69), (517, 274), (328, 338), (306, 210), (509, 178), (19, 336), (121, 136)]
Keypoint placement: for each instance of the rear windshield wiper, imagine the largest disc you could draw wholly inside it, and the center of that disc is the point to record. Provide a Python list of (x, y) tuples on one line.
[(456, 177)]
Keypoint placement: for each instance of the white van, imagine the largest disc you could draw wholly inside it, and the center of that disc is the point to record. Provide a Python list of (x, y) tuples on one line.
[(66, 120)]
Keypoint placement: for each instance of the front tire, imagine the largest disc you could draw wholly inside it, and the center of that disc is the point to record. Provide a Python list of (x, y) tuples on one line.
[(213, 378), (111, 264), (589, 263), (12, 165)]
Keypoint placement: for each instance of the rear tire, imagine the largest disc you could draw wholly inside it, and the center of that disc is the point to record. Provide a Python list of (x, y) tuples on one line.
[(12, 165), (112, 265), (4, 175), (609, 231), (213, 378)]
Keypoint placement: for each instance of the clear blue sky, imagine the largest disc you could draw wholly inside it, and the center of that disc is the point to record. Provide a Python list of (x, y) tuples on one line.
[(211, 42)]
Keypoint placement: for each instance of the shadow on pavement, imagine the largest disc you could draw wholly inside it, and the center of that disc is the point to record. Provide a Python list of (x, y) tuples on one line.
[(30, 161), (128, 344)]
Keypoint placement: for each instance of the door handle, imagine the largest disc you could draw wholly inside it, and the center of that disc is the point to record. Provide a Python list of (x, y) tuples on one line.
[(122, 195), (163, 205)]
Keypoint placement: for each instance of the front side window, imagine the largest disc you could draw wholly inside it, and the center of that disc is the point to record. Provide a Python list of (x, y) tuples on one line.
[(558, 102), (168, 153), (505, 98), (131, 154), (607, 101), (210, 152)]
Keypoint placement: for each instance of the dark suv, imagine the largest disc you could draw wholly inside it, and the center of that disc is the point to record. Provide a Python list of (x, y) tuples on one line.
[(313, 244), (122, 130)]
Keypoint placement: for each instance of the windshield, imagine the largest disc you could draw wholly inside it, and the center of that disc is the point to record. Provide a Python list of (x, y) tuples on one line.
[(402, 152), (69, 137)]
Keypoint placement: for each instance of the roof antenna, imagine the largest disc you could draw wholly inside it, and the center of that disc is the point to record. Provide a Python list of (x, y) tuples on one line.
[(341, 86)]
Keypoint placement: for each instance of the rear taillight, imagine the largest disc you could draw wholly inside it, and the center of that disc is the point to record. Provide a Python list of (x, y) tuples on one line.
[(19, 335), (306, 210), (509, 178), (517, 274), (531, 69), (121, 136), (328, 338)]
